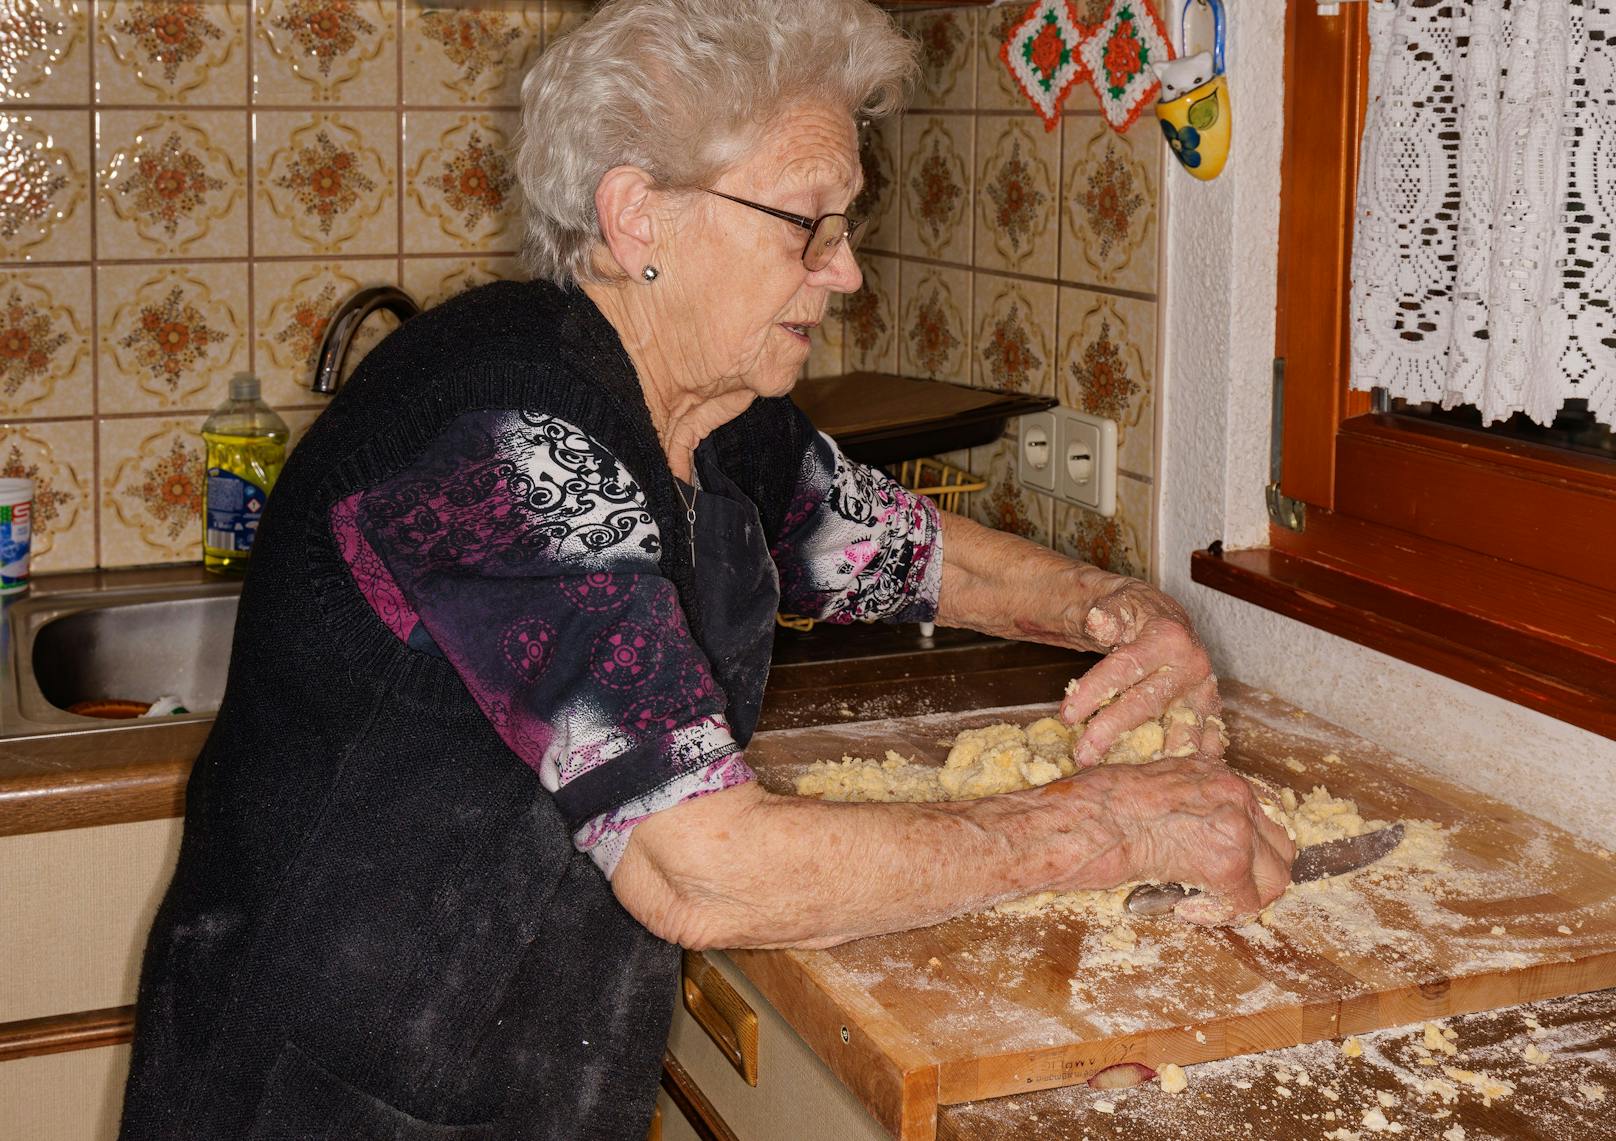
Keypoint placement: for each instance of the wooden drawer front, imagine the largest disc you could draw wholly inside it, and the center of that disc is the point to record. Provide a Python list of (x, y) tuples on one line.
[(75, 906), (76, 1096), (796, 1095)]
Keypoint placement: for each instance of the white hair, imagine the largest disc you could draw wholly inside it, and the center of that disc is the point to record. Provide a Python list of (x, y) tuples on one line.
[(683, 89)]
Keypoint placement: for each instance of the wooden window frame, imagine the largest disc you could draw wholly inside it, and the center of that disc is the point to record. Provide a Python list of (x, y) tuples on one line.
[(1489, 560)]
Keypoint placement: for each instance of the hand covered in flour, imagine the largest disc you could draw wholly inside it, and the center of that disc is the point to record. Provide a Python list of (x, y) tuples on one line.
[(1154, 663)]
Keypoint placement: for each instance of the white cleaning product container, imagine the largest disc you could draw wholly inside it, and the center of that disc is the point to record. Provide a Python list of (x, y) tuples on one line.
[(16, 533)]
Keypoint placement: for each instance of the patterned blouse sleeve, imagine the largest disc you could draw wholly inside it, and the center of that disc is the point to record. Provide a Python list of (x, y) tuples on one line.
[(520, 550), (855, 545)]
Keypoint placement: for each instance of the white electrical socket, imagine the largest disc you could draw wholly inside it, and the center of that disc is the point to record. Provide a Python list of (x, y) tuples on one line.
[(1086, 461), (1035, 465)]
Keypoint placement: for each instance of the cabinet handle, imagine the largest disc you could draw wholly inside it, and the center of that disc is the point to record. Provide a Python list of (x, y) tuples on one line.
[(723, 1014)]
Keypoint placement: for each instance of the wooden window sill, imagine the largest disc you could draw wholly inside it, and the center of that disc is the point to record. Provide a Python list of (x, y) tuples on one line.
[(1555, 654)]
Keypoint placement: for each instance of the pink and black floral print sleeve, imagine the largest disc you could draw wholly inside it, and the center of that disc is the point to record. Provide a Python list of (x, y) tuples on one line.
[(855, 545), (520, 550)]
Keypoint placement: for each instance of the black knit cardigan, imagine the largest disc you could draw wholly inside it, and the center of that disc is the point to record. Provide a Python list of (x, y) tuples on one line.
[(378, 926)]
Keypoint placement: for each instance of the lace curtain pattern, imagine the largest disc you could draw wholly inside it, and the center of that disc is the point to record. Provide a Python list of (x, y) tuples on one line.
[(1481, 265)]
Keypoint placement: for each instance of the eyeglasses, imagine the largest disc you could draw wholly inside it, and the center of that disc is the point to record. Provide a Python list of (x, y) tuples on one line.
[(825, 233)]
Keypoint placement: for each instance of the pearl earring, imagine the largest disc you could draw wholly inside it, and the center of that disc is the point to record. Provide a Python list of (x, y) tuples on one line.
[(649, 273)]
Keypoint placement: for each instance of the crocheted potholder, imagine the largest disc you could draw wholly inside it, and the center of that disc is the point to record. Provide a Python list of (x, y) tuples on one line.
[(1042, 53), (1117, 56)]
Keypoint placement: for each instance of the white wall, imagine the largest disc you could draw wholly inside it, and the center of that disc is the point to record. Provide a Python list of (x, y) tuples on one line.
[(1219, 245)]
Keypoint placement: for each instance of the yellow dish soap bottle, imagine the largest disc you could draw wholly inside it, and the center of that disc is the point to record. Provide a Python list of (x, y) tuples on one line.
[(246, 444)]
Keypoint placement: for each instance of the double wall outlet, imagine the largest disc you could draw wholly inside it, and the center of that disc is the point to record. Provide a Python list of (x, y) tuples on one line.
[(1072, 456)]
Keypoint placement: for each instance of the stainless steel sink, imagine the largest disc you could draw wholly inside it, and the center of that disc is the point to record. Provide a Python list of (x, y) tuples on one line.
[(134, 643)]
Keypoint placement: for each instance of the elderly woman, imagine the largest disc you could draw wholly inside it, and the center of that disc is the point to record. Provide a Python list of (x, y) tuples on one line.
[(480, 766)]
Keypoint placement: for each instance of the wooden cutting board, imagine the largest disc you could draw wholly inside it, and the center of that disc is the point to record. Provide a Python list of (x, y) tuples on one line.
[(986, 1005)]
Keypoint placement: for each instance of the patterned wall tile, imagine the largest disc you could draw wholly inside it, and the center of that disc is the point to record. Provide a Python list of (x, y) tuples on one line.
[(937, 166), (45, 52), (325, 183), (1108, 368), (827, 355), (59, 456), (934, 337), (170, 184), (996, 90), (947, 61), (878, 202), (293, 302), (152, 479), (1017, 188), (171, 336), (159, 51), (44, 345), (1006, 505), (468, 55), (871, 317), (562, 16), (1121, 543), (1014, 349), (432, 281), (44, 186), (460, 186), (1112, 185), (325, 51)]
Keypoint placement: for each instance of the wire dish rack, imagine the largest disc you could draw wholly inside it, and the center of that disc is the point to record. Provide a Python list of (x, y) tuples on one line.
[(944, 484)]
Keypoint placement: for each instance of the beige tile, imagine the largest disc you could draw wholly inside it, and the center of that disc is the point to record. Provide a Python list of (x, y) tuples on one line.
[(1121, 543), (171, 336), (1015, 348), (45, 353), (46, 48), (460, 187), (871, 317), (325, 51), (292, 303), (171, 184), (59, 456), (877, 203), (996, 88), (562, 16), (432, 281), (826, 356), (934, 306), (1017, 191), (459, 55), (1109, 217), (1108, 368), (947, 61), (148, 52), (1005, 505), (325, 183), (299, 421), (937, 166), (45, 205), (152, 478)]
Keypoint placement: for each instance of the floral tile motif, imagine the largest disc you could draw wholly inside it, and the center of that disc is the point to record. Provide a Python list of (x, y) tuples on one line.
[(1110, 218), (432, 281), (325, 51), (44, 52), (1015, 335), (44, 347), (293, 302), (1016, 196), (877, 202), (935, 333), (456, 55), (870, 317), (947, 63), (44, 186), (462, 192), (936, 167), (170, 337), (323, 185), (165, 51), (169, 184), (995, 89), (152, 478), (1121, 543), (59, 456), (562, 16), (1006, 505), (1108, 368)]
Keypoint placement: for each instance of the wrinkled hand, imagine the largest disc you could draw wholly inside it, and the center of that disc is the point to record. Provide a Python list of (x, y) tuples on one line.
[(1153, 662)]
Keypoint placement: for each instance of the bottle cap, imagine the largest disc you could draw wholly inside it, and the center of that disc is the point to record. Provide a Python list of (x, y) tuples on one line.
[(244, 386)]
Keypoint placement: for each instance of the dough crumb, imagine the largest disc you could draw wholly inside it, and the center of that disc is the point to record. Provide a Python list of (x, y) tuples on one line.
[(1352, 1048), (1199, 1037), (1295, 765), (1440, 1039), (1330, 1092), (1497, 930), (1341, 1135), (1454, 1133), (1386, 1099), (1487, 1086), (1332, 759), (934, 961), (1534, 1055), (1442, 1088), (1283, 1091), (1563, 929), (1243, 1084), (1173, 1079), (1593, 1091), (1105, 1107), (1375, 1121)]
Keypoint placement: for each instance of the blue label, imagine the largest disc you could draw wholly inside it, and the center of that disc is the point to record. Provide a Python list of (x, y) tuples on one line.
[(15, 540), (234, 505)]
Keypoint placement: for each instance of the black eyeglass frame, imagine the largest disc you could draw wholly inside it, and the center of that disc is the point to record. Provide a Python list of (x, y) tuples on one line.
[(851, 235)]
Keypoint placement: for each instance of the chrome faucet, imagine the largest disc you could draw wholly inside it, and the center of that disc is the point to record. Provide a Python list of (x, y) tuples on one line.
[(343, 324)]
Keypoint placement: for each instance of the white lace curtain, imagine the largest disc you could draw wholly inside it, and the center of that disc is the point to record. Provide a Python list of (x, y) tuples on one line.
[(1482, 264)]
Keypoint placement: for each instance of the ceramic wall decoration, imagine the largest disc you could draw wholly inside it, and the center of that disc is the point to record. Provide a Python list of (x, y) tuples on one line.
[(1194, 102)]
